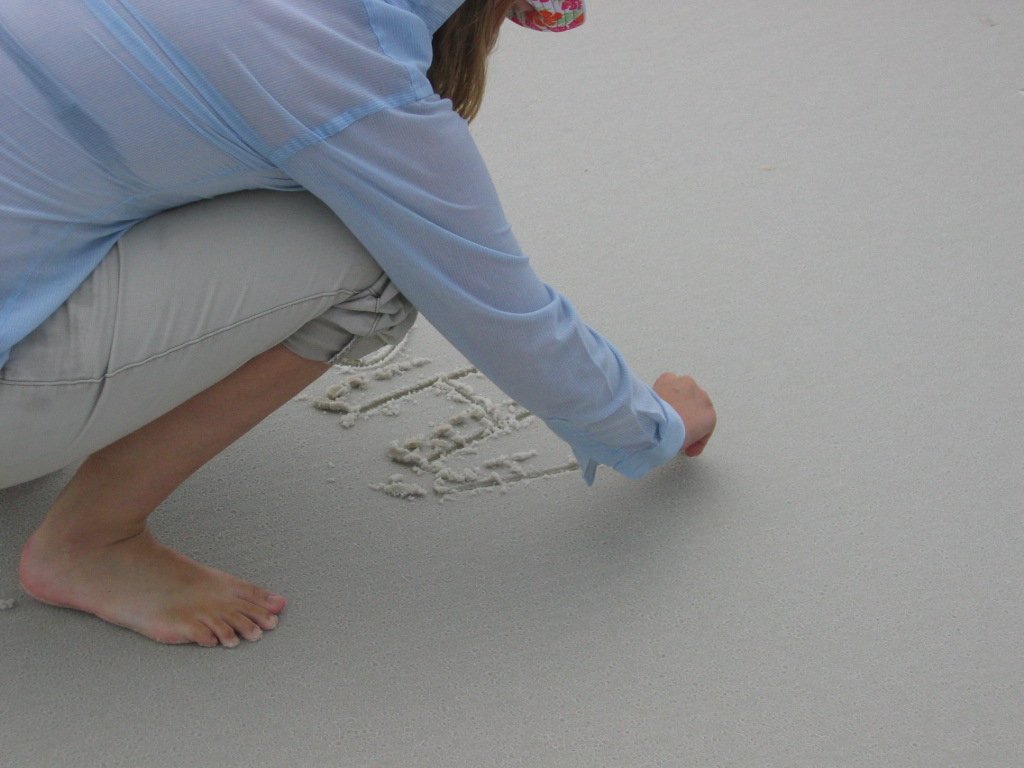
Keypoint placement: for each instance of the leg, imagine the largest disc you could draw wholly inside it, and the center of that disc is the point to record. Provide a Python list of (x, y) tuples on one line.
[(201, 322), (93, 551)]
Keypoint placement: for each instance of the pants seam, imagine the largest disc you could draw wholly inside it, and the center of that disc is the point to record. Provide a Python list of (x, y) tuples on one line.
[(342, 295)]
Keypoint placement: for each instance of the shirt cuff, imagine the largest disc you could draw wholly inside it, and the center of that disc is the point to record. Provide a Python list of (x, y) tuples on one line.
[(669, 436)]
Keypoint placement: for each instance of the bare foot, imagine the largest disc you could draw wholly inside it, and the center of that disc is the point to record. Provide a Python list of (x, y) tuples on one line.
[(140, 584)]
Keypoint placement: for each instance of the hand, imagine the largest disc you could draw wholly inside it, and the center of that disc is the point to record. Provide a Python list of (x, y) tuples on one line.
[(693, 406)]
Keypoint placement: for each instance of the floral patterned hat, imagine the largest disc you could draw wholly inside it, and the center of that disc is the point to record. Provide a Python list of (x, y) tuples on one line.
[(548, 15)]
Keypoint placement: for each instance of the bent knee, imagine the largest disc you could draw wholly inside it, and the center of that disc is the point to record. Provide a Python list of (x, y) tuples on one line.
[(356, 325), (365, 311)]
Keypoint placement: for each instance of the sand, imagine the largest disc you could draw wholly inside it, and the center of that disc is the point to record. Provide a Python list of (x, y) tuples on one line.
[(815, 209), (472, 422)]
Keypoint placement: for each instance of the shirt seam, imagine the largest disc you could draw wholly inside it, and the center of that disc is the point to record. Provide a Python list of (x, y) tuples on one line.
[(339, 123), (382, 44)]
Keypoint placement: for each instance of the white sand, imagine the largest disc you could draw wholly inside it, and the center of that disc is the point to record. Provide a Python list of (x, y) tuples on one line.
[(814, 208), (473, 422)]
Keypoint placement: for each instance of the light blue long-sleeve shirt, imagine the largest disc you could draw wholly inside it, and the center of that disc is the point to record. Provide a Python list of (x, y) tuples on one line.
[(112, 111)]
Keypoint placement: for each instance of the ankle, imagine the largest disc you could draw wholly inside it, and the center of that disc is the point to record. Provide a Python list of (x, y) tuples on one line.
[(57, 531)]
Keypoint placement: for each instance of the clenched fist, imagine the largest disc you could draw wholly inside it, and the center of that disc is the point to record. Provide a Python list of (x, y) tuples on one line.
[(693, 406)]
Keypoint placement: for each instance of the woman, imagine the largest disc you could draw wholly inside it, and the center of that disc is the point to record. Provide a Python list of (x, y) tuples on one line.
[(152, 311)]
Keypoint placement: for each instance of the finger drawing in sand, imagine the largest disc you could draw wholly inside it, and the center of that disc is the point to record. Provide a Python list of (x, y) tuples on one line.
[(200, 221)]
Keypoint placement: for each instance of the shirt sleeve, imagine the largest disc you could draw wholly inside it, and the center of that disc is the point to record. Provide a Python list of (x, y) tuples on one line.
[(411, 185)]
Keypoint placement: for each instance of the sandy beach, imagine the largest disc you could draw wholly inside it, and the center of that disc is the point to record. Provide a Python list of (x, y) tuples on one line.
[(815, 209)]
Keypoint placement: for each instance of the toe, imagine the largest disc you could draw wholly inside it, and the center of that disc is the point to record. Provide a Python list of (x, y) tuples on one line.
[(224, 632), (261, 616), (245, 626), (268, 600), (202, 635)]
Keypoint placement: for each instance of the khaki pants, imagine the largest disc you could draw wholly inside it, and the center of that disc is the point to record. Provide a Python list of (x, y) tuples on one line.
[(184, 299)]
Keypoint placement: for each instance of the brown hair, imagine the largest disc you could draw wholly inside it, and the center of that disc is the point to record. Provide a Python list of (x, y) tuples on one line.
[(461, 47)]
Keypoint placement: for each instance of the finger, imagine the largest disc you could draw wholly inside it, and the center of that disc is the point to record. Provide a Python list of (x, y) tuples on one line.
[(697, 448)]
